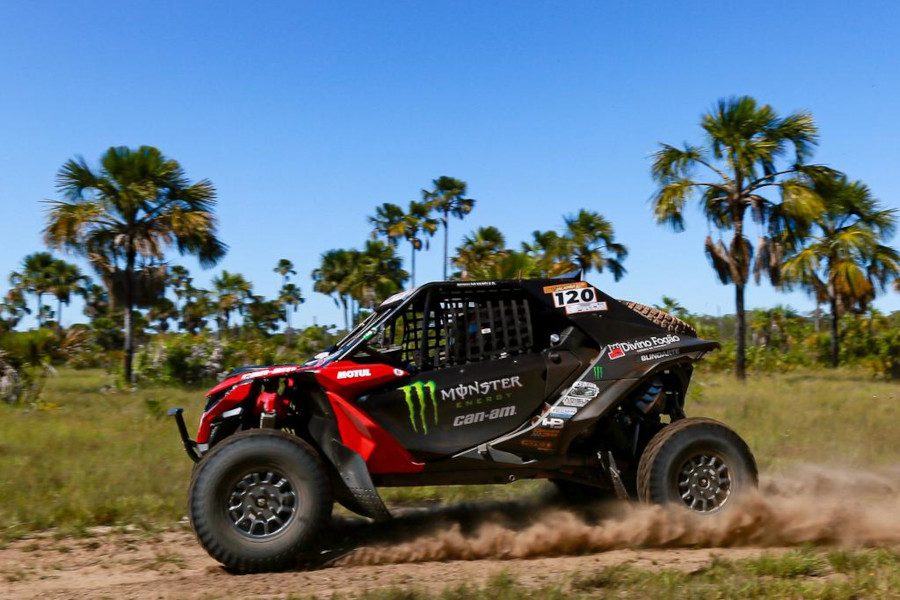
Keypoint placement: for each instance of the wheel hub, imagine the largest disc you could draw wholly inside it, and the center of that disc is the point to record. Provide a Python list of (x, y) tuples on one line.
[(704, 483), (262, 503)]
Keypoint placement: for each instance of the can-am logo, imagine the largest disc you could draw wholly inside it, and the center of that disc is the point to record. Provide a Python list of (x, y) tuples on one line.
[(620, 349), (354, 373)]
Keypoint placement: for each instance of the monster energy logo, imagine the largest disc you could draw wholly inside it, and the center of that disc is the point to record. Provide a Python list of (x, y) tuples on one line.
[(598, 372), (417, 393)]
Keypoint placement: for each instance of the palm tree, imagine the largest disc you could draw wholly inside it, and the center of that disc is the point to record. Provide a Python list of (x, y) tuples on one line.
[(14, 307), (509, 264), (589, 243), (387, 222), (180, 280), (197, 306), (232, 290), (418, 226), (160, 314), (126, 214), (415, 226), (263, 316), (377, 274), (35, 278), (447, 197), (285, 268), (481, 248), (744, 142), (332, 276), (548, 249), (673, 307), (844, 262), (290, 298), (66, 279)]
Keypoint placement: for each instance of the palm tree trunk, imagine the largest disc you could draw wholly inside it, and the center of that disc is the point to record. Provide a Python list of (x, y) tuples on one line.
[(59, 316), (288, 332), (346, 313), (835, 342), (740, 333), (413, 265), (129, 325), (40, 309), (446, 238)]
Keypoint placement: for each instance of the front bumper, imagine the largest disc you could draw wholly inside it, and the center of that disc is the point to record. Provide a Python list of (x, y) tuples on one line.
[(190, 446)]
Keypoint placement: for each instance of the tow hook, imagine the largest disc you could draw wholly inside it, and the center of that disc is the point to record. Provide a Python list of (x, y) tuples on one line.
[(190, 446), (609, 463)]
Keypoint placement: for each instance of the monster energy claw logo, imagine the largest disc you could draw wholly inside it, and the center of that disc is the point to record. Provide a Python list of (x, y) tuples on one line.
[(417, 393)]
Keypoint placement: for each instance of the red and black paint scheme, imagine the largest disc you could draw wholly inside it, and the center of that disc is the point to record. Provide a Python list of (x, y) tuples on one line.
[(473, 383)]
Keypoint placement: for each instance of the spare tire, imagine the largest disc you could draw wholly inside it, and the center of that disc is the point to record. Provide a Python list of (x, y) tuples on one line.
[(660, 317)]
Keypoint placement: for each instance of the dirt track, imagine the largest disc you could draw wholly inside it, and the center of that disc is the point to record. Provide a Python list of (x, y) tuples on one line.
[(435, 547)]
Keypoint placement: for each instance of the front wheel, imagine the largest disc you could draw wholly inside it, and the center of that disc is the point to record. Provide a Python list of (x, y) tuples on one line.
[(699, 464), (258, 500)]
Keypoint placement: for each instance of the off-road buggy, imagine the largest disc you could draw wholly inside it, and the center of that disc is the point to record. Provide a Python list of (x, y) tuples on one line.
[(459, 383)]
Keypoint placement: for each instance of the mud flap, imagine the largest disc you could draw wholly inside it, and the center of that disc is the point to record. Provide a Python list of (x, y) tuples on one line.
[(357, 481)]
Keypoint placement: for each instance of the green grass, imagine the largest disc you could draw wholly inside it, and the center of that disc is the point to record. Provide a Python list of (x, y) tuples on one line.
[(840, 418), (88, 457), (803, 573)]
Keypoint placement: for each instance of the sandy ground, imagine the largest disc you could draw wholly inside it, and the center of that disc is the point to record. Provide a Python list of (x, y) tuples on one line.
[(432, 547), (172, 565)]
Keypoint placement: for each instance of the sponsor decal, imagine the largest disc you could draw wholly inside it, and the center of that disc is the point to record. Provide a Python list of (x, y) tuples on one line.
[(585, 307), (598, 372), (538, 444), (578, 297), (580, 394), (545, 433), (563, 287), (659, 355), (575, 401), (480, 388), (354, 374), (461, 284), (620, 349), (417, 396), (399, 372), (268, 372), (563, 412), (552, 423), (484, 415)]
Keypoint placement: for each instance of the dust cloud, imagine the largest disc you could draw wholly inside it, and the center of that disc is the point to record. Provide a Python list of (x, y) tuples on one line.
[(809, 505)]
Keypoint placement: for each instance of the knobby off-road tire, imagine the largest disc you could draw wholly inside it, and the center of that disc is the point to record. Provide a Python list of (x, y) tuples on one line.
[(258, 500), (697, 463), (662, 318)]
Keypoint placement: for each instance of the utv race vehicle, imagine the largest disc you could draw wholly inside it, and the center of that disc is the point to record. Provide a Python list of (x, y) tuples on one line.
[(459, 383)]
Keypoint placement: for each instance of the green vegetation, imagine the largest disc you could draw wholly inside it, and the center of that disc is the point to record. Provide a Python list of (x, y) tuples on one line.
[(804, 573), (122, 218)]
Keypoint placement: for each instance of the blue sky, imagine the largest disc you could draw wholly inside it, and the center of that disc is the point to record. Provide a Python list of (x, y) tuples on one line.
[(308, 115)]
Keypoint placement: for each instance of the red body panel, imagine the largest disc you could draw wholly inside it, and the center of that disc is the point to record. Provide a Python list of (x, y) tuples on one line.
[(382, 453), (231, 400), (342, 381), (265, 372)]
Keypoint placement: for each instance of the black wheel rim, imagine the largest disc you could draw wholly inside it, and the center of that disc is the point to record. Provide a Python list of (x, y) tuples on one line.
[(262, 503), (704, 482)]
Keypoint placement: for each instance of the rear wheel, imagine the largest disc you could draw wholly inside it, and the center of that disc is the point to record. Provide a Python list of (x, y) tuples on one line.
[(699, 464), (258, 500)]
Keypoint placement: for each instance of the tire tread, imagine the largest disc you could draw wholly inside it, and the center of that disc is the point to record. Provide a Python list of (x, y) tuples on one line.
[(659, 317), (286, 558)]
